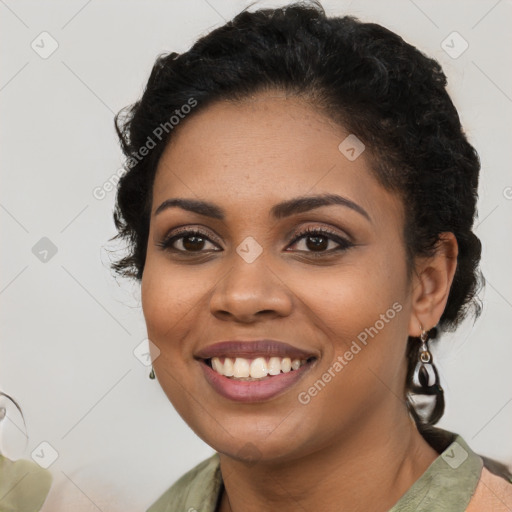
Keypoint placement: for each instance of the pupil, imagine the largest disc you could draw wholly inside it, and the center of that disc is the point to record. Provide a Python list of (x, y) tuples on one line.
[(191, 246), (317, 244)]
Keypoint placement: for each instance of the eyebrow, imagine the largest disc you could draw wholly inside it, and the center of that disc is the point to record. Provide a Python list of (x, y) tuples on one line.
[(279, 211)]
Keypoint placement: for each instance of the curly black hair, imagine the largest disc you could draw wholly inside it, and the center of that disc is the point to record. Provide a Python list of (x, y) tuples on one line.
[(362, 76)]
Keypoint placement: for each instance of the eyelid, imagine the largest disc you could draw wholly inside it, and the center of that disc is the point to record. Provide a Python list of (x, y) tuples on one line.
[(188, 229), (327, 229)]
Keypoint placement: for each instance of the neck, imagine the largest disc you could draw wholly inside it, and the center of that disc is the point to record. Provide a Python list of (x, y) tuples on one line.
[(369, 469)]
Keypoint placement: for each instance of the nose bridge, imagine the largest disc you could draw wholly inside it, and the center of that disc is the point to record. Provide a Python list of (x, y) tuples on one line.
[(250, 287)]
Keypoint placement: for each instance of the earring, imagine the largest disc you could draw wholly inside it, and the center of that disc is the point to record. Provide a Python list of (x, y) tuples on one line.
[(425, 380), (152, 374)]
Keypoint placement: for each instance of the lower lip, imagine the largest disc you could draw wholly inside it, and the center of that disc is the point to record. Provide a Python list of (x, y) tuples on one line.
[(253, 391)]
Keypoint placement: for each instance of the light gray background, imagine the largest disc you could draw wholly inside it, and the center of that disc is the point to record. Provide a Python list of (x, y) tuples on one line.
[(69, 330)]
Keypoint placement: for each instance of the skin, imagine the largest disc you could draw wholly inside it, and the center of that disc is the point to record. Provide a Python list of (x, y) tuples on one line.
[(354, 443)]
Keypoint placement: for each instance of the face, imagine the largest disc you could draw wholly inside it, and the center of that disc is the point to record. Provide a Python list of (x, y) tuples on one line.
[(327, 279)]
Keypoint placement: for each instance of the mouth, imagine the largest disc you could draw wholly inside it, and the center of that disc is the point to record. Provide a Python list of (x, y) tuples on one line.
[(254, 371)]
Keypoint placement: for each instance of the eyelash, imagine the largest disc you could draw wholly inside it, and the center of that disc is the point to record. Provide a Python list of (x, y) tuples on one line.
[(344, 244)]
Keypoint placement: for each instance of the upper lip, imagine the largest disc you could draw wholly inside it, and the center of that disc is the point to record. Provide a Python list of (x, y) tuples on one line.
[(253, 349)]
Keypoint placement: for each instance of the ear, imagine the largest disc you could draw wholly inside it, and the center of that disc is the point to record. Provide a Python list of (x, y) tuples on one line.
[(431, 284)]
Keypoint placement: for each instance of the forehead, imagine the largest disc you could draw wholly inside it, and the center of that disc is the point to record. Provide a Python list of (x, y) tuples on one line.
[(270, 126), (267, 146)]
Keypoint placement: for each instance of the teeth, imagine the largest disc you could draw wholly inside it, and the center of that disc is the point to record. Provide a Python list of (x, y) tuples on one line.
[(296, 364), (217, 365), (258, 368), (274, 366), (228, 370), (241, 367)]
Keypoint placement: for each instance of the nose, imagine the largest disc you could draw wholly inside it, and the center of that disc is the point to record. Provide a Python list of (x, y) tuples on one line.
[(250, 292)]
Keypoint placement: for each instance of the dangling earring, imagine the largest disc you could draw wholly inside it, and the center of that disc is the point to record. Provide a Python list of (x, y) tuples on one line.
[(425, 380), (152, 374)]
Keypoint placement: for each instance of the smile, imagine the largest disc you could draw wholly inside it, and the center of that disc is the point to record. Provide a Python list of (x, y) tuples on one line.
[(254, 380)]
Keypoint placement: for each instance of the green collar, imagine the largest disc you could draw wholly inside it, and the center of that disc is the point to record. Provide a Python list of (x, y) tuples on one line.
[(446, 486), (449, 482)]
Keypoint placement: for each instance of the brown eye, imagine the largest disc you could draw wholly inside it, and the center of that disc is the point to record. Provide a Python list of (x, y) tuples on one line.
[(190, 241), (317, 241)]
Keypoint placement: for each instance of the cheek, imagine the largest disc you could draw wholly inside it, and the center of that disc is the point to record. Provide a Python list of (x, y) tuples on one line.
[(362, 312), (352, 298), (170, 303), (169, 299)]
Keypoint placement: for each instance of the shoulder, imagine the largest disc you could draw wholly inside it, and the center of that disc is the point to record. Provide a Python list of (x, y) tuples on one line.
[(493, 493), (197, 489), (24, 485), (485, 484), (457, 480)]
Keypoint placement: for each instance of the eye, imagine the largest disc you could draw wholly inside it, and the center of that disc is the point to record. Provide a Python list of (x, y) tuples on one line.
[(316, 241), (191, 240), (319, 239)]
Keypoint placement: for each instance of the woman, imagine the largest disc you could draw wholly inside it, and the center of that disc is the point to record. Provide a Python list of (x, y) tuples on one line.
[(299, 203)]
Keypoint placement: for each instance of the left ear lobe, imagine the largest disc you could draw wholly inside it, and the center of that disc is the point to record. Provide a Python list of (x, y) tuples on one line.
[(432, 283)]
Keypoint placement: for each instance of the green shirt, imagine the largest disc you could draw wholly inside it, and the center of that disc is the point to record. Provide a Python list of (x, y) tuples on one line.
[(446, 486), (24, 485)]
